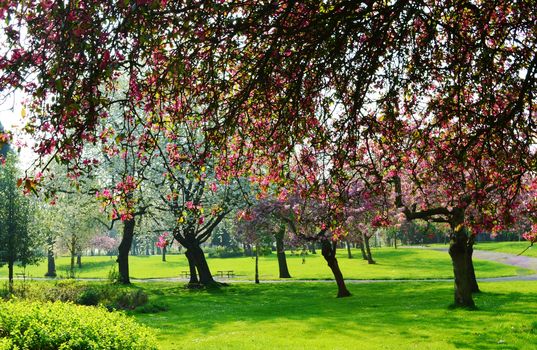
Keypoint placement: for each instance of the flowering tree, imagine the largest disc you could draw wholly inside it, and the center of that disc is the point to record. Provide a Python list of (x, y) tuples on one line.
[(104, 243), (261, 222), (164, 240), (450, 84)]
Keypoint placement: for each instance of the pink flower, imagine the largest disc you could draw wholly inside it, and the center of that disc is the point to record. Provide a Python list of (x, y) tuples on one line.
[(213, 187)]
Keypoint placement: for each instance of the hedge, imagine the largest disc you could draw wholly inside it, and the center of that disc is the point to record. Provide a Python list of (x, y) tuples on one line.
[(56, 325)]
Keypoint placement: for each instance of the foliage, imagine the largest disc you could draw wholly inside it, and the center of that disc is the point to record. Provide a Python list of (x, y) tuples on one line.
[(164, 240), (105, 243), (18, 241), (110, 296), (224, 252), (36, 325)]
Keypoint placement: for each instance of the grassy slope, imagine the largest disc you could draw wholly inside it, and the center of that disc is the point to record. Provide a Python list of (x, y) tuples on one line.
[(391, 264), (378, 316), (508, 247)]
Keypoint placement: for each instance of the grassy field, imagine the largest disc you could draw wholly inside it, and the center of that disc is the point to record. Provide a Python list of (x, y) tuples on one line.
[(391, 264), (508, 247), (413, 315)]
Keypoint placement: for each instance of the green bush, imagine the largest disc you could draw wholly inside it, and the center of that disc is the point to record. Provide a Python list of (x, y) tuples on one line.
[(111, 296), (58, 325), (89, 296), (153, 307), (224, 252)]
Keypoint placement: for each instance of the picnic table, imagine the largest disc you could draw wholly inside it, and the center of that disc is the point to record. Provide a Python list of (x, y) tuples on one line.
[(228, 273), (185, 274)]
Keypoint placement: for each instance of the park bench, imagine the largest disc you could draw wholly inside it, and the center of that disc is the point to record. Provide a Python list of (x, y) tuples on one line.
[(21, 275), (185, 274), (228, 273)]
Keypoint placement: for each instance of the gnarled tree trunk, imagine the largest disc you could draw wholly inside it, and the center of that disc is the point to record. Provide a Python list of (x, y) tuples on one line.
[(329, 254), (458, 250), (282, 260), (195, 255), (471, 272), (192, 267), (123, 251)]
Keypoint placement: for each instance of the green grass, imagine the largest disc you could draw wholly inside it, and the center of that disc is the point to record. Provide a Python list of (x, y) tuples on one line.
[(508, 247), (400, 316), (391, 264)]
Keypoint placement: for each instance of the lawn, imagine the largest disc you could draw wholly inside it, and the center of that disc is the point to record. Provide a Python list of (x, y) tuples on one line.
[(400, 316), (391, 264), (508, 247)]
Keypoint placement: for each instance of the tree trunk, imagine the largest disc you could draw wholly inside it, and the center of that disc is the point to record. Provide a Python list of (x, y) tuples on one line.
[(51, 263), (362, 249), (164, 254), (79, 260), (329, 254), (474, 287), (282, 260), (349, 253), (72, 266), (458, 250), (123, 251), (312, 248), (192, 267), (10, 276), (368, 249), (257, 264), (199, 261)]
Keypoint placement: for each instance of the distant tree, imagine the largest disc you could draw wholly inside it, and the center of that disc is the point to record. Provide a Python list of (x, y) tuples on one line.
[(263, 222), (104, 243), (17, 244)]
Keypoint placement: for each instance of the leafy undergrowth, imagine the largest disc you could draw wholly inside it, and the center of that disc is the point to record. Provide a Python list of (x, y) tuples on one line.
[(34, 325), (400, 316), (111, 296)]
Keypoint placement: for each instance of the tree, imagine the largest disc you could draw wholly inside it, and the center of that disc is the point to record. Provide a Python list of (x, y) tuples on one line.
[(104, 243), (18, 244), (164, 240), (48, 226), (262, 220), (77, 223), (452, 84)]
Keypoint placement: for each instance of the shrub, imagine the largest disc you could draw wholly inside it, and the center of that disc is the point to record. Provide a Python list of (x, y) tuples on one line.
[(153, 307), (111, 296), (224, 252), (58, 325)]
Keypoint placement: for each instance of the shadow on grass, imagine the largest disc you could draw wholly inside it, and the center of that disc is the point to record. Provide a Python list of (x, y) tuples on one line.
[(410, 310)]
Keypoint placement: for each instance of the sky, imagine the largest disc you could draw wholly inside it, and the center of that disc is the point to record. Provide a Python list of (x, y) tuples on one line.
[(11, 119)]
